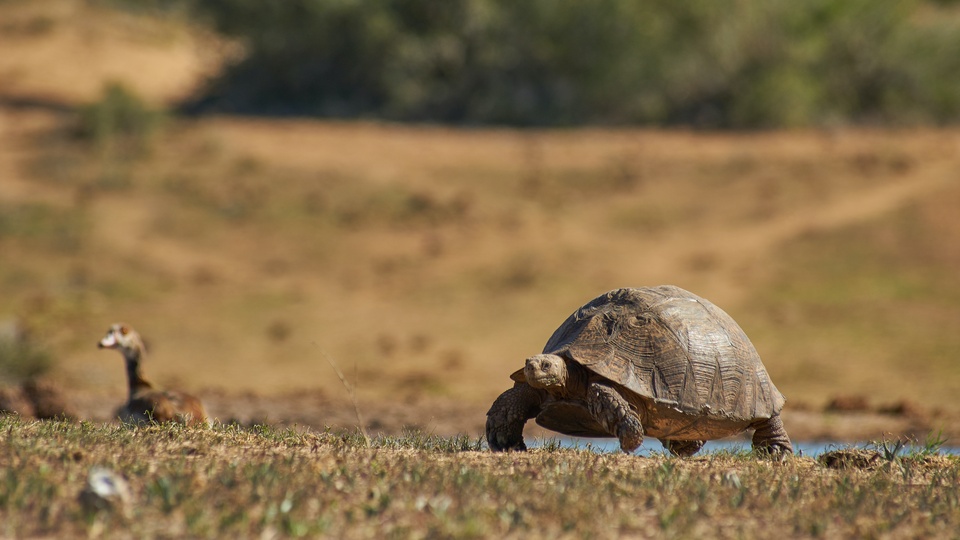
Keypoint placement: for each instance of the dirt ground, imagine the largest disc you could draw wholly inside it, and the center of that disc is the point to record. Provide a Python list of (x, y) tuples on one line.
[(846, 420), (446, 417)]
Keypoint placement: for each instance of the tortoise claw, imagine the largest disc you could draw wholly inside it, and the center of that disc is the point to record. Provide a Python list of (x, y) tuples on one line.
[(502, 442)]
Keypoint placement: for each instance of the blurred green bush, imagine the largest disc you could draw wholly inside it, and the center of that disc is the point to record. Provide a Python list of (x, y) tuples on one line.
[(119, 118), (708, 63)]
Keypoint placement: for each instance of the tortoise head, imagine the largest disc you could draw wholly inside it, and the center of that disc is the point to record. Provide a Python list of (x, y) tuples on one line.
[(123, 338), (546, 371)]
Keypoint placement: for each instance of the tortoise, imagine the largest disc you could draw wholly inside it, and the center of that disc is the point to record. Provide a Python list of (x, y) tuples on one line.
[(657, 361)]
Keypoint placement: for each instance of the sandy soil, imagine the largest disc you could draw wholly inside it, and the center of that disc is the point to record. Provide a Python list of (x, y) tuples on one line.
[(62, 52)]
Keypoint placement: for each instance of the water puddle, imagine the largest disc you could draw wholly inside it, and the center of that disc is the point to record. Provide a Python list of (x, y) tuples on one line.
[(653, 447)]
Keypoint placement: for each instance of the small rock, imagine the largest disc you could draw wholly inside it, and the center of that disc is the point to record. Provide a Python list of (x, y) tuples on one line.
[(731, 478), (106, 491), (850, 458), (851, 403)]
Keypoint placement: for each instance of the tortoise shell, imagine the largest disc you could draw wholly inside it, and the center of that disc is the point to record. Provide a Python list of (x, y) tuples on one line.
[(687, 365)]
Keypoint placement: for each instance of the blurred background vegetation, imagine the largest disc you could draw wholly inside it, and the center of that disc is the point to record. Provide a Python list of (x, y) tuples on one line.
[(726, 64)]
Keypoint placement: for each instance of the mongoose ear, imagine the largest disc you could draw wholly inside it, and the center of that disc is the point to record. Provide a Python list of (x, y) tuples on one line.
[(518, 376)]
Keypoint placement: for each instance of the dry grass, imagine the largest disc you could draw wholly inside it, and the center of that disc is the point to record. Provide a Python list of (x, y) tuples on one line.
[(236, 482), (430, 261)]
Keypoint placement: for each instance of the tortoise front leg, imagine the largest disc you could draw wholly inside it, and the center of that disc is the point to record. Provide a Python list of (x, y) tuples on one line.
[(508, 414), (611, 411), (770, 437)]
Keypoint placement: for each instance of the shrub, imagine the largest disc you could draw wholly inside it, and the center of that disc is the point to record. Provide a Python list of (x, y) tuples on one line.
[(757, 63), (119, 120)]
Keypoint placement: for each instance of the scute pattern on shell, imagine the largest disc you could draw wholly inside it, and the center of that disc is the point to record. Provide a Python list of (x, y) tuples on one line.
[(671, 346)]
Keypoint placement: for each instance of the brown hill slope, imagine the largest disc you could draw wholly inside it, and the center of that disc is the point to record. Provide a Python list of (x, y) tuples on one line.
[(63, 51)]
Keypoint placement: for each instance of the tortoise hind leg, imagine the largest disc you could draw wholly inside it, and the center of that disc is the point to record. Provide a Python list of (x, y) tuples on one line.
[(611, 411), (770, 437), (508, 414), (682, 448)]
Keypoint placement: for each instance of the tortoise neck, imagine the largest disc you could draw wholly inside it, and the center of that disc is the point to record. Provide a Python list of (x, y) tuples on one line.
[(577, 380)]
